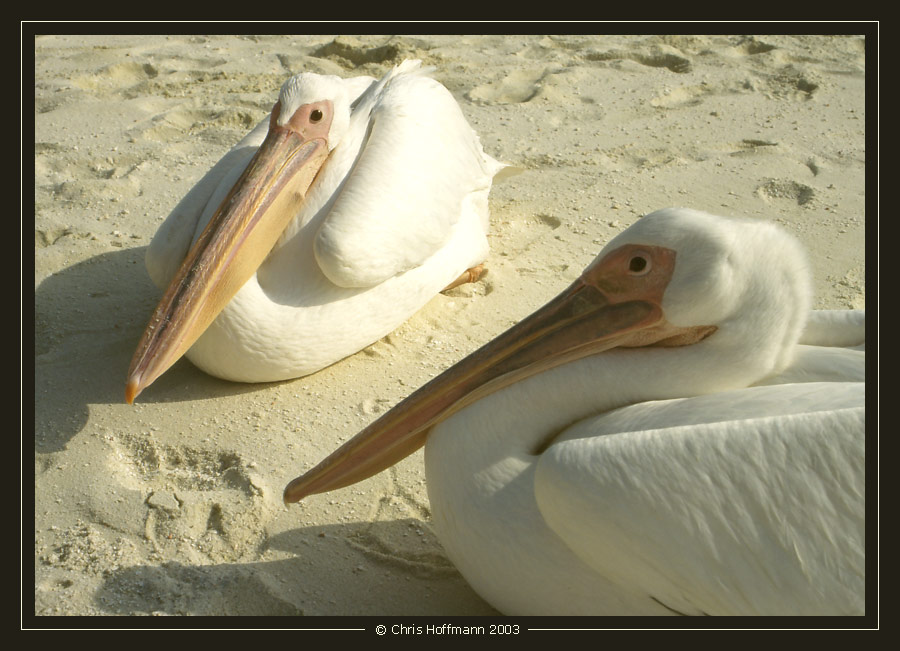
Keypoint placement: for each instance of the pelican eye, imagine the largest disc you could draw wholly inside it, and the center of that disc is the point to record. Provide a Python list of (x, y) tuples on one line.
[(315, 115), (639, 265)]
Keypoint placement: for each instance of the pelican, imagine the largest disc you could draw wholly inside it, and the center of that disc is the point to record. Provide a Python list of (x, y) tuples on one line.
[(676, 433), (333, 221)]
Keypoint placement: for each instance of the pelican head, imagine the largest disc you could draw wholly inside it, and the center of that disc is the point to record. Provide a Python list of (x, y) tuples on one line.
[(725, 265), (675, 278), (308, 120), (304, 91)]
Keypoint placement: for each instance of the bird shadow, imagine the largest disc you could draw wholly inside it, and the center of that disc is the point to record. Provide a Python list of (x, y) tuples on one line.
[(333, 569), (88, 319)]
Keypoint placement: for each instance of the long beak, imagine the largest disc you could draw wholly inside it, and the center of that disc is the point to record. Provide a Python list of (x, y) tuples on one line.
[(584, 320), (234, 243)]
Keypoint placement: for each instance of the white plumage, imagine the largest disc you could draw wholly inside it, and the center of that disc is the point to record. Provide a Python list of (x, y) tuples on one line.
[(397, 212), (725, 476)]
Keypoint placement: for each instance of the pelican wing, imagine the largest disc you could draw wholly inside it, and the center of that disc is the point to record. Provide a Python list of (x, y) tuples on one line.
[(832, 349), (835, 328), (419, 167), (716, 503), (822, 364)]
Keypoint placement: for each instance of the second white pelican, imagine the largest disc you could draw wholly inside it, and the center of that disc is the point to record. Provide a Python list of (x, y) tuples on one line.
[(333, 221), (661, 438)]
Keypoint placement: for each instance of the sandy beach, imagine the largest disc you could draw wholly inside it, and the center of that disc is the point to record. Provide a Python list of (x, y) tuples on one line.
[(173, 506)]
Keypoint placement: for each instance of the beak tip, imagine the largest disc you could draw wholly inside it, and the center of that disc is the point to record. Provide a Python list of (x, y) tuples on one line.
[(132, 389), (294, 493)]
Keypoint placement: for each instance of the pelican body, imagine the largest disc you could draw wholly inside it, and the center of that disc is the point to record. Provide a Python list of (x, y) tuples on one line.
[(334, 220), (676, 433)]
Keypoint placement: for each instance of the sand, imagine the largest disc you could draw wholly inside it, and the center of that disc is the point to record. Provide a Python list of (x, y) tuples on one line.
[(173, 506)]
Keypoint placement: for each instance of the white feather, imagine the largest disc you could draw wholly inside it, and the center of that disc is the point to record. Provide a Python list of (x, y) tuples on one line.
[(398, 212), (659, 480)]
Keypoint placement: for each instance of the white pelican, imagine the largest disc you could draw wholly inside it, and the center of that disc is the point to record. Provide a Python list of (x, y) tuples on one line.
[(656, 440), (280, 284)]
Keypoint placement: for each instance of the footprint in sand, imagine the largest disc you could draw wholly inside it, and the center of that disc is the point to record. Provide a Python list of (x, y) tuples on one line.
[(350, 52), (748, 47), (789, 81), (205, 503), (518, 86), (785, 189), (795, 82), (214, 125), (681, 96), (655, 56), (413, 547), (116, 77), (521, 233)]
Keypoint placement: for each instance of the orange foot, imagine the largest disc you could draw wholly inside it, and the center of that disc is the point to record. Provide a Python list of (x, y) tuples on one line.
[(468, 276)]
